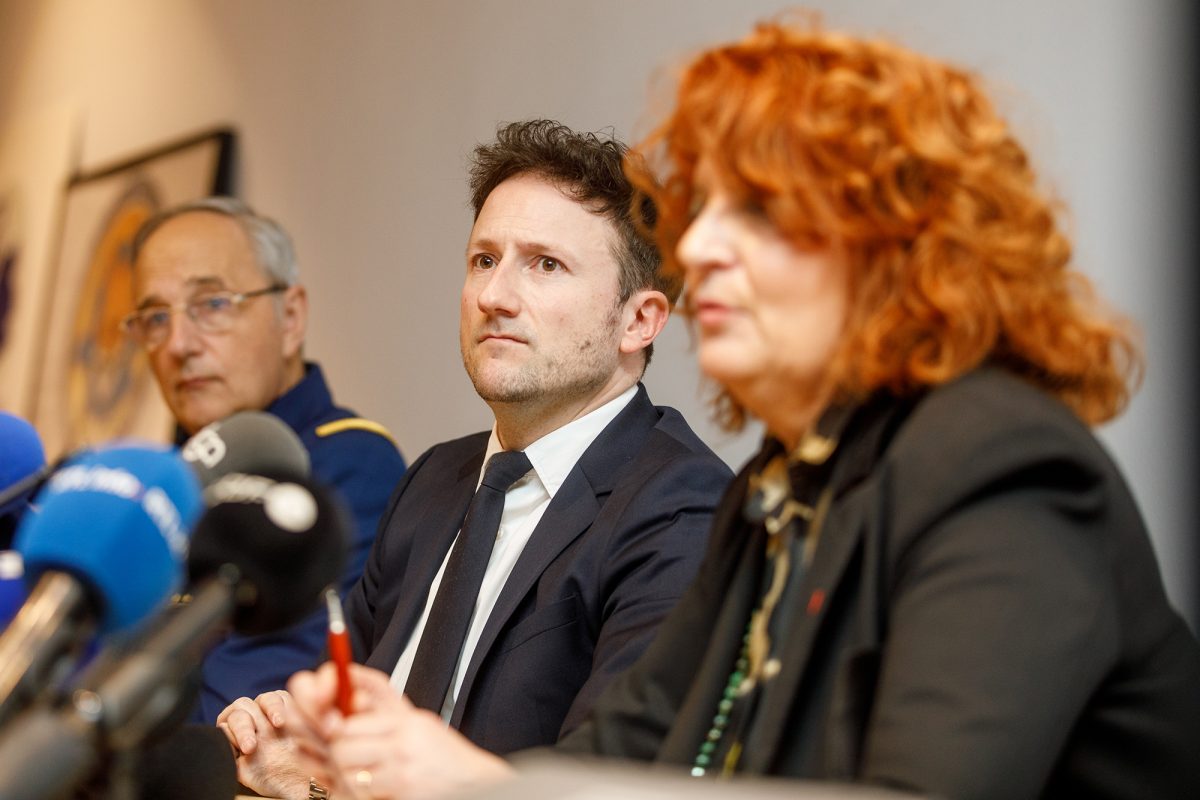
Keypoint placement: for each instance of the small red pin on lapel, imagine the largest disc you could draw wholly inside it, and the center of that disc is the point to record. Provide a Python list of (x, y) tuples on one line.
[(815, 601)]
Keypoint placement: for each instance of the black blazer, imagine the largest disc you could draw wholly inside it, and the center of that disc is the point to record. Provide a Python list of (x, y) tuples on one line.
[(983, 617), (615, 549)]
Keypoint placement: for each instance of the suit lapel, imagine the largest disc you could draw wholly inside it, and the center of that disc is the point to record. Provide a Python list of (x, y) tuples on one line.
[(431, 535), (867, 433), (740, 583), (572, 511), (817, 589)]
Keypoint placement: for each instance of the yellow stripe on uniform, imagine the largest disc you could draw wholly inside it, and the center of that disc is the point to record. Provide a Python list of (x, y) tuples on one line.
[(353, 424)]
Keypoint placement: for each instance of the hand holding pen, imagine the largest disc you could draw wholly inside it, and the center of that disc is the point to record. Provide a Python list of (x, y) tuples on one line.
[(339, 651)]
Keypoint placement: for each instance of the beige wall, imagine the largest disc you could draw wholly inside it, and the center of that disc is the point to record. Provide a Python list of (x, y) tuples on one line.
[(356, 118)]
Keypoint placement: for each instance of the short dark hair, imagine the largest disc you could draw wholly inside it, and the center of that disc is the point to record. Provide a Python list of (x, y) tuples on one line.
[(590, 168)]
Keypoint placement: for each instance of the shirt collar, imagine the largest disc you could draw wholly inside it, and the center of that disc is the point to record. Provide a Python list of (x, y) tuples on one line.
[(554, 455), (304, 402)]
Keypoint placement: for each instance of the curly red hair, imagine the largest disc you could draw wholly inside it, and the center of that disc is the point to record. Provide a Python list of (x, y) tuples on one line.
[(900, 166)]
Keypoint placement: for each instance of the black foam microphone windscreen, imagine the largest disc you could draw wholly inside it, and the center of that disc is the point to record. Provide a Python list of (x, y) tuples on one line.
[(286, 537), (194, 762), (252, 442)]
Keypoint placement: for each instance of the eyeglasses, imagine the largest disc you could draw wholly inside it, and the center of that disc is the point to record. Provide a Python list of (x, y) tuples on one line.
[(213, 312)]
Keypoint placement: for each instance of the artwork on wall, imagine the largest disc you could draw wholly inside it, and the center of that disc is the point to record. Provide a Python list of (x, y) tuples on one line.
[(96, 384), (36, 152)]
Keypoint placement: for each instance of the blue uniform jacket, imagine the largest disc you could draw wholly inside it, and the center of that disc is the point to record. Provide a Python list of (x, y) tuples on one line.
[(358, 460)]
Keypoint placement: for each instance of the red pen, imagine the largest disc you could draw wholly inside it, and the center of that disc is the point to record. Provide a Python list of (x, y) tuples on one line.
[(339, 650)]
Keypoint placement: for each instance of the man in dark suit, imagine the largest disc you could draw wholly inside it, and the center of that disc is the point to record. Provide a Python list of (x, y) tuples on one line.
[(602, 526)]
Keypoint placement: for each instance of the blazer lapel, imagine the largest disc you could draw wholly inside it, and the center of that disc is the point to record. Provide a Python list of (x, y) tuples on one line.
[(572, 511), (817, 588), (435, 530), (867, 434), (740, 586)]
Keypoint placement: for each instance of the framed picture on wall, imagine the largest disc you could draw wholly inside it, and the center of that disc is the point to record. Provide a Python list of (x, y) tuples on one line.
[(36, 152), (96, 384)]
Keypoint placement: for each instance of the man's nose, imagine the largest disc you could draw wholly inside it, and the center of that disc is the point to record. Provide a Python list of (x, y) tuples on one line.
[(183, 336), (500, 292)]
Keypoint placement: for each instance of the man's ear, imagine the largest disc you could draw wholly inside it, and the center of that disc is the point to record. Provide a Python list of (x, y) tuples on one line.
[(295, 320), (643, 318)]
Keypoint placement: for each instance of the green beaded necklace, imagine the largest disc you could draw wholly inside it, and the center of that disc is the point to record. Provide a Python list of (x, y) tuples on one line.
[(720, 720), (771, 496)]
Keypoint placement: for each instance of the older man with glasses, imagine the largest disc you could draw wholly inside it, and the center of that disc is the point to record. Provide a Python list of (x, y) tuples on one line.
[(222, 317)]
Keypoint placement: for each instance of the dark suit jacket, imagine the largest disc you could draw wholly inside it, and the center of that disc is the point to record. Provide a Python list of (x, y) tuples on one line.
[(983, 618), (616, 547)]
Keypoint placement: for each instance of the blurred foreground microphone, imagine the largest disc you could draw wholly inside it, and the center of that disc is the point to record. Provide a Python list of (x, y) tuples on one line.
[(12, 585), (260, 559), (22, 469), (285, 538), (251, 442), (104, 551)]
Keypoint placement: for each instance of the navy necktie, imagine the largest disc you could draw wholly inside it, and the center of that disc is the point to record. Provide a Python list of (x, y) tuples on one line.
[(442, 640)]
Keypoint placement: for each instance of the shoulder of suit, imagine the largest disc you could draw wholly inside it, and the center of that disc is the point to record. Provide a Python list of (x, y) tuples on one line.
[(984, 429), (989, 405), (337, 426), (454, 451)]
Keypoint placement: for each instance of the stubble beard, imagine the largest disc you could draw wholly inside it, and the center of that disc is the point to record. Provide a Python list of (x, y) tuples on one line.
[(548, 377)]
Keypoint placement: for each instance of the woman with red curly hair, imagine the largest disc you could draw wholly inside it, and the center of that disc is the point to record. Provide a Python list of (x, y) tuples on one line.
[(931, 576)]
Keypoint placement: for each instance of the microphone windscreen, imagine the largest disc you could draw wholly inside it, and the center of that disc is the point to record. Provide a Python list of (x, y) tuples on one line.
[(287, 537), (118, 520), (194, 762), (251, 442), (12, 585), (21, 456)]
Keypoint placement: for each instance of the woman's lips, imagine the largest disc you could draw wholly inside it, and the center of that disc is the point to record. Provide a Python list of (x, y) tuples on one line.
[(710, 314)]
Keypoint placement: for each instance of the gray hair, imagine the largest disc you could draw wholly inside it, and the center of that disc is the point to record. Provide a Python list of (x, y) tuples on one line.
[(272, 246)]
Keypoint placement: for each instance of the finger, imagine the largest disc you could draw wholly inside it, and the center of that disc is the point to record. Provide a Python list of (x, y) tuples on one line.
[(312, 750), (244, 720), (371, 682), (299, 729), (274, 706), (370, 724), (314, 692), (229, 735), (364, 753), (305, 695), (344, 784)]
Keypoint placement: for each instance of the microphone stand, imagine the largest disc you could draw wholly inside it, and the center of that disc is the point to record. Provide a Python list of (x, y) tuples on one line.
[(47, 628), (47, 754)]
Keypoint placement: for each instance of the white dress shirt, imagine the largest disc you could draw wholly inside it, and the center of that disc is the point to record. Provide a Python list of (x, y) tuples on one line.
[(553, 457)]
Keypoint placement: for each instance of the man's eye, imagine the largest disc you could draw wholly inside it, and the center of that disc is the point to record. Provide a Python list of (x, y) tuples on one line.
[(548, 264), (156, 318), (483, 261), (212, 304)]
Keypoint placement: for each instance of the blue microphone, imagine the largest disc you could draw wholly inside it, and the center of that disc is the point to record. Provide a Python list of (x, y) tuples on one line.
[(105, 551), (261, 557), (12, 585), (22, 468)]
